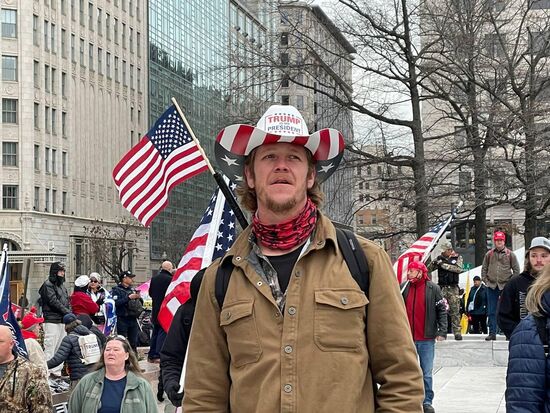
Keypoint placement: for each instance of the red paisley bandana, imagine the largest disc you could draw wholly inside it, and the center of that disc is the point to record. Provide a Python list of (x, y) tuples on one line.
[(289, 234)]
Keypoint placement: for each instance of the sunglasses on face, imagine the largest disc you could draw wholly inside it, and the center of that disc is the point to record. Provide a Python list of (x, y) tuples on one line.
[(94, 281)]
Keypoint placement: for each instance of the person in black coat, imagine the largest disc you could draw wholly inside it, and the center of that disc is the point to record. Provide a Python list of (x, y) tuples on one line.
[(476, 307), (54, 300), (528, 374), (157, 290), (69, 350), (173, 352), (126, 314), (511, 308)]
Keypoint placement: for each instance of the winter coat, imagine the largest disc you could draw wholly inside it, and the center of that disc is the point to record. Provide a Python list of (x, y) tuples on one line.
[(138, 396), (82, 303), (24, 389), (436, 310), (69, 351), (54, 299), (511, 307), (36, 354), (157, 291), (480, 303), (528, 373), (120, 295), (498, 267), (173, 351), (250, 357), (99, 296)]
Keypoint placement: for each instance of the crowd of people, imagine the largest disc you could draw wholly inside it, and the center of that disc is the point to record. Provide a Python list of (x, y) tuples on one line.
[(294, 330)]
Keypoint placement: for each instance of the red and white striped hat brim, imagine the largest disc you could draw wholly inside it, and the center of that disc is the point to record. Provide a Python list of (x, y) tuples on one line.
[(235, 142)]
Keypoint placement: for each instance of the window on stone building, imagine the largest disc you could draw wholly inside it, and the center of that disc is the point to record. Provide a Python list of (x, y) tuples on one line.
[(9, 23), (10, 197), (9, 153), (9, 110), (9, 68)]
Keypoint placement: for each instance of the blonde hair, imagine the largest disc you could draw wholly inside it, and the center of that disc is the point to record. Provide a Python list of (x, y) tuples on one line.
[(247, 194), (533, 301)]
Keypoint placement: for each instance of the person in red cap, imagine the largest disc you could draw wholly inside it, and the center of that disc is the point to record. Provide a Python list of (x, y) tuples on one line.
[(427, 314), (499, 265), (30, 329)]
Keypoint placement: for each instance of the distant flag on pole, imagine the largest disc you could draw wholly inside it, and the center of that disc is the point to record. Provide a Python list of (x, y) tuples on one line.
[(211, 240), (165, 157), (420, 249), (7, 317), (110, 316)]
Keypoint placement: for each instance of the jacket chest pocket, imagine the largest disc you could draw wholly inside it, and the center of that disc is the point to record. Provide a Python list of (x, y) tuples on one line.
[(339, 324), (238, 321)]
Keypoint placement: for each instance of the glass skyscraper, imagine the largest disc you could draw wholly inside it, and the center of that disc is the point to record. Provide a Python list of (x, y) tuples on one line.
[(188, 42)]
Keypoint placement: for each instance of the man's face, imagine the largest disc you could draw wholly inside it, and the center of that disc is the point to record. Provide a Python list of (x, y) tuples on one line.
[(538, 258), (6, 344), (477, 283), (412, 274), (280, 178), (448, 252), (61, 273), (499, 244), (128, 281)]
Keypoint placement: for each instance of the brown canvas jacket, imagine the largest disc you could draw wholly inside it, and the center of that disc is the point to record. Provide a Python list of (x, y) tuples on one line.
[(498, 267), (31, 393), (251, 358)]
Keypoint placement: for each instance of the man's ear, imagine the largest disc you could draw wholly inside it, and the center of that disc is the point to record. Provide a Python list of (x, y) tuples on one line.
[(311, 178), (249, 176)]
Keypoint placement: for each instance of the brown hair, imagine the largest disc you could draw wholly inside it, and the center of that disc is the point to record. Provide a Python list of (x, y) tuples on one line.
[(72, 325), (533, 301), (247, 195), (131, 363)]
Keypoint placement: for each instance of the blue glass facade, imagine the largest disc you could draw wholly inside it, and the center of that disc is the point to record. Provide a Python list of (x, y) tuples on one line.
[(188, 42)]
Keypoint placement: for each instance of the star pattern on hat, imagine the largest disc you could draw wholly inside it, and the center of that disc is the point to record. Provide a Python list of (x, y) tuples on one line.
[(326, 168), (229, 161)]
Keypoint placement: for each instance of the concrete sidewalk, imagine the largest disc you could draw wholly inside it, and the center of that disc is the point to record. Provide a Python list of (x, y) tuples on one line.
[(470, 389)]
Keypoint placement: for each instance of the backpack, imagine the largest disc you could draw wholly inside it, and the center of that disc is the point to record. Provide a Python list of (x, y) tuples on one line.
[(89, 349), (543, 333), (134, 308)]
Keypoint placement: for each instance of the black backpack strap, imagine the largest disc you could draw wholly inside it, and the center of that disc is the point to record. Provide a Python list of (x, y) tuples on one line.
[(355, 258), (223, 275), (543, 332)]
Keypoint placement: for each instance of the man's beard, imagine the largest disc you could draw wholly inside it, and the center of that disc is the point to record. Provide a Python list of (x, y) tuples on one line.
[(279, 207)]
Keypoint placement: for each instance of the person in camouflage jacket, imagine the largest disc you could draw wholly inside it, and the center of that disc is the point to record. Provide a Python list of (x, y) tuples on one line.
[(23, 386)]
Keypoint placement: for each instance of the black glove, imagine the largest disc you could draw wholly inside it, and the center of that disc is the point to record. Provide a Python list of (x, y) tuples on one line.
[(100, 300), (174, 396)]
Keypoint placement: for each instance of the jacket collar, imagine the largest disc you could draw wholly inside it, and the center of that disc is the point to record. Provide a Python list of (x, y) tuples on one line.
[(324, 233), (131, 378)]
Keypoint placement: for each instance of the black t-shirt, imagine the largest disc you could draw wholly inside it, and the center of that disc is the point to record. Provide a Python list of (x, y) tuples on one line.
[(283, 265), (111, 398)]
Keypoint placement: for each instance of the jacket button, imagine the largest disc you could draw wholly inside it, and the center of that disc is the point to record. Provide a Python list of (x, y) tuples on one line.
[(288, 388), (288, 349), (237, 258), (344, 300), (291, 310), (298, 273)]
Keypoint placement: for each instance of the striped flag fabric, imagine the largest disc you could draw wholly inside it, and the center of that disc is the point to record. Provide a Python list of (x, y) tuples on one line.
[(213, 237), (7, 317), (165, 157), (420, 249)]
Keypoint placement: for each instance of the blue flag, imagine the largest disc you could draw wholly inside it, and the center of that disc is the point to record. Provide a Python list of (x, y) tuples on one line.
[(7, 317), (110, 316)]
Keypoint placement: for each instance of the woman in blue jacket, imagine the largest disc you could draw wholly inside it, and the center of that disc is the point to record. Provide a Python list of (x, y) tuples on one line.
[(527, 388)]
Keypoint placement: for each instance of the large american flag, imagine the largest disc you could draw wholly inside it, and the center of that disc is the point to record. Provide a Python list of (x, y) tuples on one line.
[(165, 157), (7, 317), (420, 249), (211, 240)]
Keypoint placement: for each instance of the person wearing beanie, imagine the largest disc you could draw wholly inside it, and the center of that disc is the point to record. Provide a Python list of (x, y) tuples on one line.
[(81, 302), (30, 329), (87, 322), (499, 265), (511, 307), (476, 307), (54, 300), (427, 314), (69, 350)]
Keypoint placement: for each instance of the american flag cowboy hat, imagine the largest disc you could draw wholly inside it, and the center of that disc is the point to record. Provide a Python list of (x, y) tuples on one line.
[(278, 124)]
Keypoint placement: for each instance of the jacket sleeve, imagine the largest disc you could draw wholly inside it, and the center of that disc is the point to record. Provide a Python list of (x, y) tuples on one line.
[(206, 379), (508, 309), (121, 297), (515, 263), (39, 396), (54, 302), (148, 398), (441, 311), (526, 374), (62, 353), (395, 368), (485, 268), (456, 268), (173, 351)]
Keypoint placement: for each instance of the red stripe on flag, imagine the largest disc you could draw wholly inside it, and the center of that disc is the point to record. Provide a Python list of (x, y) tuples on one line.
[(129, 155)]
